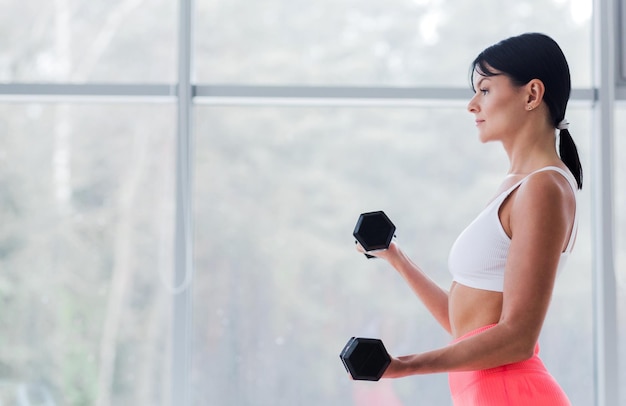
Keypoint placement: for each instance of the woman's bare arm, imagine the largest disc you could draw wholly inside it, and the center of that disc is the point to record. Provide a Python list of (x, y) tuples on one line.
[(432, 295)]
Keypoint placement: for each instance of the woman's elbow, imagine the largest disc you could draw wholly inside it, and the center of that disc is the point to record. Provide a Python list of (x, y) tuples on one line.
[(528, 353), (522, 343), (524, 350)]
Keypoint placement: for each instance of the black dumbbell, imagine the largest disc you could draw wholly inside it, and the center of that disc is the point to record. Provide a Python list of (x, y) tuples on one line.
[(366, 359), (374, 231)]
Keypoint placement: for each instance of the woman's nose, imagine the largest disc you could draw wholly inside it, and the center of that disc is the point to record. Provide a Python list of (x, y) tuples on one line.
[(472, 106)]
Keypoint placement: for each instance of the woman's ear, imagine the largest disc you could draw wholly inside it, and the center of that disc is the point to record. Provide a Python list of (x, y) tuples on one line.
[(535, 90)]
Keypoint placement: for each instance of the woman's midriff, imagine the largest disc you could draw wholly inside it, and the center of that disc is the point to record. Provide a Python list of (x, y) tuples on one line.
[(470, 308)]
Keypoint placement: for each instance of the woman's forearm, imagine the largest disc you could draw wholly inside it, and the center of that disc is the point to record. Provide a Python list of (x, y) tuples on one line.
[(432, 295), (491, 348)]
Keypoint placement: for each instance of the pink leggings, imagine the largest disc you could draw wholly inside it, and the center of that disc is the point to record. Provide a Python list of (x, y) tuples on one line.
[(520, 384)]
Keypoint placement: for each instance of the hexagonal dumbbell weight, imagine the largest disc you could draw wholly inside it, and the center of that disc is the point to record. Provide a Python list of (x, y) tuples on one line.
[(374, 231), (366, 359)]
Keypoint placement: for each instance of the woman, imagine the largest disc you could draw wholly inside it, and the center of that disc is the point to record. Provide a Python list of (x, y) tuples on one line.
[(505, 263)]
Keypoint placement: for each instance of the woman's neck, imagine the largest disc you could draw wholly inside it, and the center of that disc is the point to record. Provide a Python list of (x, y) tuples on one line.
[(531, 153)]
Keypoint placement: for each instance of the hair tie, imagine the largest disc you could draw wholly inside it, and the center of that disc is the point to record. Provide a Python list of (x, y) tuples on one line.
[(563, 125)]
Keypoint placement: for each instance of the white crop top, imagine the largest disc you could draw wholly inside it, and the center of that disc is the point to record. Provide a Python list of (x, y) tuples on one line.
[(478, 256)]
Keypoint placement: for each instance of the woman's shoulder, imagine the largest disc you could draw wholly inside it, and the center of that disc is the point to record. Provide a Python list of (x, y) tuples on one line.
[(549, 190), (550, 179)]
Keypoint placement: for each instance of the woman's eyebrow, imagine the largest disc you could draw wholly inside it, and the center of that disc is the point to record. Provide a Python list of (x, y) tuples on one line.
[(481, 81)]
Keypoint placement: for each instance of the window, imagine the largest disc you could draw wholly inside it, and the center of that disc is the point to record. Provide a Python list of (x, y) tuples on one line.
[(396, 43), (305, 114), (127, 41), (85, 245)]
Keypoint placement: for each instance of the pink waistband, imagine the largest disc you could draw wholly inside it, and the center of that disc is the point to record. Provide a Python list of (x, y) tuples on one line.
[(473, 332)]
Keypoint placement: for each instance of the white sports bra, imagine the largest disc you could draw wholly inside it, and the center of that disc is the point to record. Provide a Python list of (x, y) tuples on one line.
[(478, 257)]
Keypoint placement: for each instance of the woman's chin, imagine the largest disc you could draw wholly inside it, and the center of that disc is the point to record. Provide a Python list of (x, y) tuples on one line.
[(484, 139)]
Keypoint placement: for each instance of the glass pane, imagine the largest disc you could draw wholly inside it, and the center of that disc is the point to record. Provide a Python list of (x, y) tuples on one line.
[(279, 286), (398, 42), (620, 234), (88, 41), (86, 207)]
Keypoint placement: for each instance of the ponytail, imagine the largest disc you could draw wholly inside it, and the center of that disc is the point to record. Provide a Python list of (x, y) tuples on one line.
[(569, 156)]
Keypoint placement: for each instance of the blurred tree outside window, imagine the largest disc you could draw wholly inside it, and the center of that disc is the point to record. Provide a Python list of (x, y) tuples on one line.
[(70, 41), (86, 209)]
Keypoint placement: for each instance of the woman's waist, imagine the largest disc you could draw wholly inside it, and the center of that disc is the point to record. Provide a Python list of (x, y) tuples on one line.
[(470, 309)]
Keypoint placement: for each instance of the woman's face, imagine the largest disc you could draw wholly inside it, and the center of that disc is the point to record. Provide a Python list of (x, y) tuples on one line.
[(498, 106)]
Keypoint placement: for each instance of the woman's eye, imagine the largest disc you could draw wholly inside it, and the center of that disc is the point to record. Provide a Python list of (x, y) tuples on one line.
[(484, 91)]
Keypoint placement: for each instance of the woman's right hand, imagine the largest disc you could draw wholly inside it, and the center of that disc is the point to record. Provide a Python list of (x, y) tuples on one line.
[(386, 254)]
